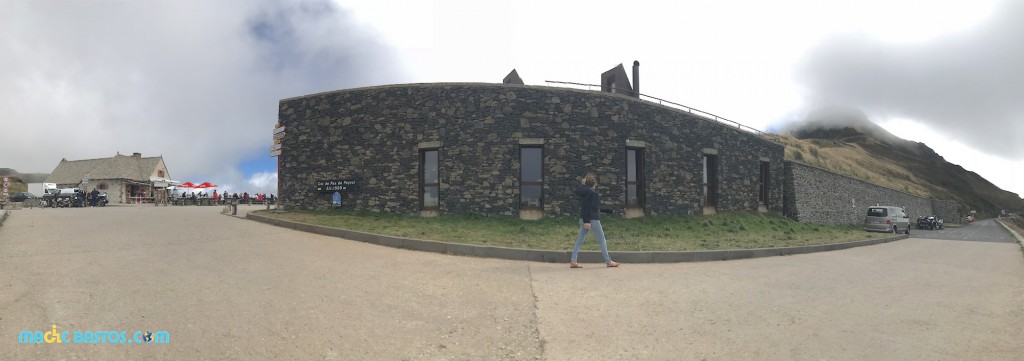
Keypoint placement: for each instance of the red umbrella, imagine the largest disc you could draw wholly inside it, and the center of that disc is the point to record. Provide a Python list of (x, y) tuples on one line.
[(206, 185), (187, 185)]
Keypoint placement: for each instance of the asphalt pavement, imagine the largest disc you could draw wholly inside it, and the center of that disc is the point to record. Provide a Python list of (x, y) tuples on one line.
[(979, 231), (225, 288)]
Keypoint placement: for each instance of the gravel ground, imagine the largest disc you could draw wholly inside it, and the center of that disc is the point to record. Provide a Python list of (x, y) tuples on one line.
[(228, 288)]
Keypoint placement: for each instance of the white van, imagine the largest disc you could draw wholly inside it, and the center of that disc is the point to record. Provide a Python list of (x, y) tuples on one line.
[(887, 219)]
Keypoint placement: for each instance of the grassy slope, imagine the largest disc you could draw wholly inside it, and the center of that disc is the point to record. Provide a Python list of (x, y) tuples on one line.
[(853, 160), (17, 185), (653, 233), (905, 166), (1017, 223)]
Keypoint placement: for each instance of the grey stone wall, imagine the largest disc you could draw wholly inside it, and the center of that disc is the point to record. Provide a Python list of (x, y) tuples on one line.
[(372, 135), (947, 210), (815, 195)]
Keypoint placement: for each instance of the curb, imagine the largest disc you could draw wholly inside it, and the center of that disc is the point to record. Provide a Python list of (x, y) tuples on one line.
[(1014, 233), (522, 254)]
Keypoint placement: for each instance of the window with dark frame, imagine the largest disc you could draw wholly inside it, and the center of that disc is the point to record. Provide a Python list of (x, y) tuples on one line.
[(763, 183), (429, 180), (710, 180), (531, 178), (635, 178)]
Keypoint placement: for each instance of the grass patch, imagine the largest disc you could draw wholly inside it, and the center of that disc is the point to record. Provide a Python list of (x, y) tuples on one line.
[(741, 230)]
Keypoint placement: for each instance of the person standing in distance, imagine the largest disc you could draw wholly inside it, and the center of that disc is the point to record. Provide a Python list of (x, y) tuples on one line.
[(94, 197), (590, 220)]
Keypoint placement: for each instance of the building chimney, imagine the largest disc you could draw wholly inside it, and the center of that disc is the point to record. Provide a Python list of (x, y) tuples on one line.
[(636, 78), (137, 155)]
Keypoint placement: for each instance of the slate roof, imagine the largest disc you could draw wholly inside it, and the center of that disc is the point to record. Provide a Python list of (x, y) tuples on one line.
[(117, 167)]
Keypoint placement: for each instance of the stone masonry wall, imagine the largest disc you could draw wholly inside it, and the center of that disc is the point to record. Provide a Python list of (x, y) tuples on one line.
[(815, 195), (947, 210), (373, 135)]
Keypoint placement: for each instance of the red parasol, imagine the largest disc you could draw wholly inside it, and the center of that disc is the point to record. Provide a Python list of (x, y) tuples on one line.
[(187, 185), (206, 185)]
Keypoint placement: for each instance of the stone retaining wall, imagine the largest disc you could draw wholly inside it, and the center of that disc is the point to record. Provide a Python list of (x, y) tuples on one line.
[(947, 210), (815, 195)]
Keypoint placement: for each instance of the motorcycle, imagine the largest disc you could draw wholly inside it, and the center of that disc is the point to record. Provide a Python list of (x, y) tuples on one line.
[(62, 202), (929, 223)]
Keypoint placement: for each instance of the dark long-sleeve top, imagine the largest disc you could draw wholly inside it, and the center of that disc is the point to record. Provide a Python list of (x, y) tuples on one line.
[(590, 203)]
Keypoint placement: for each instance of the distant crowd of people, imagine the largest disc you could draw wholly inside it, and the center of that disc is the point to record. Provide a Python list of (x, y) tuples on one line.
[(221, 198)]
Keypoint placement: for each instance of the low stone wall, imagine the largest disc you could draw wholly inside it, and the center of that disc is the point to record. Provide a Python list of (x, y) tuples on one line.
[(815, 195)]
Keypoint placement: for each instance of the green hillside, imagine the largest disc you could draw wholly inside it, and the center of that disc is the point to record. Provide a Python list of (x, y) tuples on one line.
[(19, 181), (846, 142)]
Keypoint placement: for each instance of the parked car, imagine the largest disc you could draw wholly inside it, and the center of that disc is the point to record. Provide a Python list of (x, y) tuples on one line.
[(22, 196), (887, 219), (929, 223)]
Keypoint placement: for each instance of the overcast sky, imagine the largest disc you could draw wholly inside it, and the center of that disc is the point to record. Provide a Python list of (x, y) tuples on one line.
[(199, 81)]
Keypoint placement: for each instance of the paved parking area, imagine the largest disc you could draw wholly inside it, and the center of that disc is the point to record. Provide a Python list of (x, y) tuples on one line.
[(229, 288)]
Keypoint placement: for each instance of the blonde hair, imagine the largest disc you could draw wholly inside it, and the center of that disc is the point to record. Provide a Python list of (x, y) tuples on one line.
[(590, 180)]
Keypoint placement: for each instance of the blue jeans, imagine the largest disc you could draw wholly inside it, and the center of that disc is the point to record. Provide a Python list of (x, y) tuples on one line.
[(595, 225)]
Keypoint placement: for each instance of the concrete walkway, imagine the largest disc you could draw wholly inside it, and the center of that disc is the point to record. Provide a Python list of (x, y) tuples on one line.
[(228, 288)]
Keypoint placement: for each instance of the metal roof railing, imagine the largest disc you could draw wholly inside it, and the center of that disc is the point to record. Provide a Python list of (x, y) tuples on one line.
[(690, 110)]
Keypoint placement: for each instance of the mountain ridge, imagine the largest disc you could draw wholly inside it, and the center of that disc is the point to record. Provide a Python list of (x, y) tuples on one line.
[(845, 141)]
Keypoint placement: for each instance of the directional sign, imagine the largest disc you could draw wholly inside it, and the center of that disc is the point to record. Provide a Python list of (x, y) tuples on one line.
[(275, 150)]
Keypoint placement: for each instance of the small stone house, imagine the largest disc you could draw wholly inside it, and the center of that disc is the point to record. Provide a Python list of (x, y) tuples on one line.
[(120, 176)]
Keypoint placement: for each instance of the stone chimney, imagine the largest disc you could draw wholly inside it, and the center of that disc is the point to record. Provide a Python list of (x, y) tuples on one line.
[(636, 78)]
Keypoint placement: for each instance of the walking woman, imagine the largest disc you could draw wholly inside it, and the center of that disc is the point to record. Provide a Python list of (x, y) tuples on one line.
[(590, 220)]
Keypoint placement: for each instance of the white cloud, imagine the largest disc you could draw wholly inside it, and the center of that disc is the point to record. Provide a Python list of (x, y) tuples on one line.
[(263, 182), (195, 81), (1004, 173), (199, 81), (955, 83)]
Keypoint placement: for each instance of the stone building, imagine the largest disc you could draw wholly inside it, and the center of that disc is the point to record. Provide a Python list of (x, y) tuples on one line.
[(516, 150), (120, 176)]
